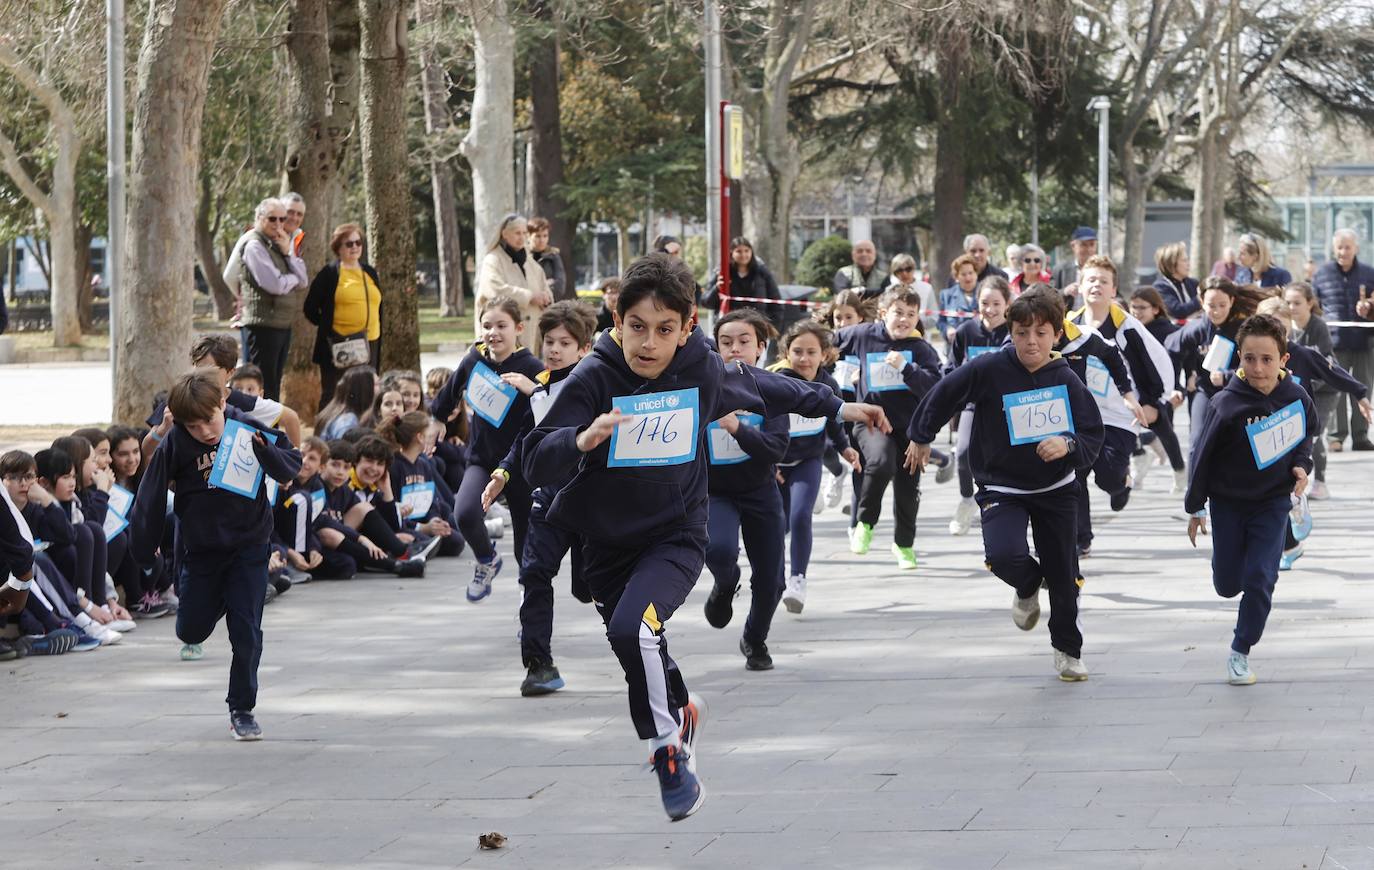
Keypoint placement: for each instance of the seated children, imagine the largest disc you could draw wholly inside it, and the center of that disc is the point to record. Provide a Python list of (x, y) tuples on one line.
[(347, 524), (297, 512), (425, 502), (353, 394)]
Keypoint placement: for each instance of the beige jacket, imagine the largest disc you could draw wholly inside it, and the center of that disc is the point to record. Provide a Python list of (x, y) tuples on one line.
[(499, 276)]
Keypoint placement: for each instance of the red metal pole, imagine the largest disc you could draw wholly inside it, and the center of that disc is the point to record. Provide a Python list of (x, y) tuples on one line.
[(726, 267)]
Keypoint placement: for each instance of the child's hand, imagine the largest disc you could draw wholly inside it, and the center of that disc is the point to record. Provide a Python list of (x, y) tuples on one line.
[(1053, 448), (519, 381), (295, 560), (1148, 415), (407, 509), (1218, 379), (373, 550), (39, 496), (314, 561), (103, 479), (917, 455), (871, 416), (384, 486), (895, 359), (1301, 486), (1195, 525), (1134, 405), (602, 427), (166, 425), (275, 562), (730, 422), (405, 537), (1175, 398), (1366, 410), (850, 455), (436, 528), (493, 490)]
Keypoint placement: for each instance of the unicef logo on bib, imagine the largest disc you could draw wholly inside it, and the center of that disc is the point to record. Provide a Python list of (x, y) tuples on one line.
[(658, 429), (1275, 436)]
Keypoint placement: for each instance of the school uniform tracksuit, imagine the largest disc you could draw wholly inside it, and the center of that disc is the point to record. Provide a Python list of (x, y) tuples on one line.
[(1016, 487), (224, 540), (1190, 346), (971, 339), (1248, 504), (882, 453), (809, 439), (639, 500)]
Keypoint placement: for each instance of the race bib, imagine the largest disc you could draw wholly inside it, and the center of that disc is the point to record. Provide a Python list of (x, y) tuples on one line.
[(120, 500), (1275, 436), (800, 427), (420, 497), (658, 429), (846, 370), (883, 377), (1296, 379), (1099, 379), (971, 352), (236, 466), (1034, 415), (1219, 354), (722, 447), (489, 396), (114, 525), (316, 503)]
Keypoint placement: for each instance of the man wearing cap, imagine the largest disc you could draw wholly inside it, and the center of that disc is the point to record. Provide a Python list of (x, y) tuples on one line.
[(1083, 242)]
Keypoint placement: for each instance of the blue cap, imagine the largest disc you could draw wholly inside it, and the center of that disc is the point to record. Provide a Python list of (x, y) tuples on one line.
[(1083, 234)]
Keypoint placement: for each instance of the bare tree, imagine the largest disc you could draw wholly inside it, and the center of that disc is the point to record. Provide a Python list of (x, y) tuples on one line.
[(490, 141), (438, 122), (546, 137), (155, 318)]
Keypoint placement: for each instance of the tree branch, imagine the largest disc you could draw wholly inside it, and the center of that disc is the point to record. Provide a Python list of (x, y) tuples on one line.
[(9, 158)]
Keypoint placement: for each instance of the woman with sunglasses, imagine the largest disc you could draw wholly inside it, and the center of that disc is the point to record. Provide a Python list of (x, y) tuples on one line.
[(1033, 270), (345, 302), (273, 282)]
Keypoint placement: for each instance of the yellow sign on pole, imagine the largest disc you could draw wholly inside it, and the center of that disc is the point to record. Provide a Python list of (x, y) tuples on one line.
[(734, 143)]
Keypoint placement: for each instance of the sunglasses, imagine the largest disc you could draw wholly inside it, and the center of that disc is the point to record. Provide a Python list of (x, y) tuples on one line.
[(1030, 259), (907, 270), (274, 219), (352, 243)]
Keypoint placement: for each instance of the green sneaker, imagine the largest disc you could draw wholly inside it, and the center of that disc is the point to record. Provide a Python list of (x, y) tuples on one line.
[(860, 537), (906, 557), (192, 652)]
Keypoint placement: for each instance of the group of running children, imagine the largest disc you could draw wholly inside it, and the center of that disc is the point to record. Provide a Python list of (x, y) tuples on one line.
[(648, 450)]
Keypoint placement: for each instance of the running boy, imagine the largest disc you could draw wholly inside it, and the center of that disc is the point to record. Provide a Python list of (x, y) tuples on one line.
[(1035, 427), (631, 420)]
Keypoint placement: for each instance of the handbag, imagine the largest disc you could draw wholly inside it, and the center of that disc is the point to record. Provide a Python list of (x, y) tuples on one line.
[(354, 349)]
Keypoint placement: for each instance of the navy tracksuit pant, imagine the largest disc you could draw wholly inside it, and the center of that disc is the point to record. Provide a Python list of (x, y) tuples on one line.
[(758, 515), (1051, 516), (801, 486), (232, 585), (1247, 541), (545, 546), (1111, 469)]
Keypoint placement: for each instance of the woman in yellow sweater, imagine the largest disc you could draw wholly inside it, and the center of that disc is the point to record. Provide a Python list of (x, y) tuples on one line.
[(345, 302)]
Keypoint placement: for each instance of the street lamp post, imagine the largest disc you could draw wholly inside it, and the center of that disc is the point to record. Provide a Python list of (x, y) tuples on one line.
[(1103, 106)]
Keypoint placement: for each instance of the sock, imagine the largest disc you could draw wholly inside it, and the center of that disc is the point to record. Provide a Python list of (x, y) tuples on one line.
[(376, 529)]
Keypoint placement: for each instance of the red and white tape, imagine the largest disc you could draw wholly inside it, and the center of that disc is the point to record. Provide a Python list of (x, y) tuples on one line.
[(801, 303)]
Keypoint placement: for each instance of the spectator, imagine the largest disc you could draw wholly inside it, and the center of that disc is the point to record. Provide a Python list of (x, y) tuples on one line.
[(1033, 270), (1343, 285), (1014, 258), (667, 245), (976, 248), (508, 270), (749, 277), (276, 282), (548, 258), (345, 303), (1256, 266), (1226, 266), (350, 401), (904, 274), (1083, 243), (1175, 287), (610, 294), (863, 274), (295, 216), (961, 298)]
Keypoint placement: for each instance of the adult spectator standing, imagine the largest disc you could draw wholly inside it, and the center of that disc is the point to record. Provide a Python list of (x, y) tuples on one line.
[(509, 270), (863, 274), (345, 303), (1014, 258), (976, 247), (1083, 243), (275, 285), (1345, 285), (1226, 267), (1257, 266), (748, 277), (295, 216), (1177, 289), (905, 275), (1033, 270), (548, 258)]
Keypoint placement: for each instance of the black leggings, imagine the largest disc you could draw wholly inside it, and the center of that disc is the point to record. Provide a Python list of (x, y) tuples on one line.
[(1163, 429), (472, 520)]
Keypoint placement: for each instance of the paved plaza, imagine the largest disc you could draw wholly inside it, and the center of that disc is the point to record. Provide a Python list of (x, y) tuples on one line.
[(908, 724)]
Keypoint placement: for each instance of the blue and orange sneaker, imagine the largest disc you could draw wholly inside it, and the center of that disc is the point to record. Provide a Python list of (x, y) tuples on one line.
[(677, 781)]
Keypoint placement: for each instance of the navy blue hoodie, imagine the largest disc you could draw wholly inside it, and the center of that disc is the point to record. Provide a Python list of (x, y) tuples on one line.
[(765, 446), (210, 520), (919, 375), (1310, 368), (1191, 344), (631, 506), (488, 444), (973, 334), (802, 447), (423, 470), (547, 385), (995, 461), (1223, 462)]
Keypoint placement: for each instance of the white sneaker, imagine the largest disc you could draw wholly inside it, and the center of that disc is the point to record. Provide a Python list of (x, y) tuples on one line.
[(496, 527), (170, 599), (121, 625), (834, 491), (498, 511), (1071, 670), (1180, 482), (109, 637), (1140, 466), (1025, 612), (963, 516), (1238, 671), (1161, 455), (794, 599), (1318, 491)]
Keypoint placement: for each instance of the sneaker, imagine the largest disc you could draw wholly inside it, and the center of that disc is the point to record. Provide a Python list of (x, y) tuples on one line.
[(1300, 518), (906, 557), (1318, 491), (281, 583), (54, 643), (297, 576), (243, 725), (169, 598), (756, 657), (123, 626), (8, 651), (499, 511), (1362, 445), (482, 575), (1238, 671), (1335, 446), (677, 781), (964, 513), (192, 652), (860, 539), (149, 607), (1180, 482), (104, 636), (720, 603), (945, 473), (1119, 499), (1140, 466), (834, 490), (794, 596), (542, 678), (1025, 612), (271, 594), (1085, 551), (496, 527), (415, 567), (1289, 557), (428, 549), (85, 642), (1071, 670)]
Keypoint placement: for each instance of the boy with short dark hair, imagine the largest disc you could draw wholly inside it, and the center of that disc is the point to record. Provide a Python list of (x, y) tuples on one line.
[(349, 525), (631, 420), (224, 534), (247, 379), (1035, 425)]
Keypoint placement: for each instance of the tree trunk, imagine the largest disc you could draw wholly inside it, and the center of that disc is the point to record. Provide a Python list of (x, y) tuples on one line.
[(65, 293), (155, 314), (322, 52), (382, 123), (1136, 186), (546, 140), (441, 174), (1205, 246), (951, 171), (85, 296), (490, 141), (205, 252)]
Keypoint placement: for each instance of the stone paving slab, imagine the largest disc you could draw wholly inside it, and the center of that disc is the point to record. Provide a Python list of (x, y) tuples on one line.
[(908, 724)]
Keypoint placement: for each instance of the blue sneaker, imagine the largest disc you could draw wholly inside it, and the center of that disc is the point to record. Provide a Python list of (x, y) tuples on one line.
[(54, 643), (243, 726), (482, 575), (677, 781), (1289, 557), (84, 641), (542, 678), (1300, 518)]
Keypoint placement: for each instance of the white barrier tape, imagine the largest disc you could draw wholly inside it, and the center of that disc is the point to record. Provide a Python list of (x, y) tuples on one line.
[(804, 304)]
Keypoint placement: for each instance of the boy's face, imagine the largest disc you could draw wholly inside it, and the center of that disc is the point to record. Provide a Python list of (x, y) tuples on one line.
[(247, 386), (18, 486), (1260, 360), (900, 319), (208, 361), (739, 340), (1034, 343), (62, 489), (561, 349), (370, 470), (310, 465), (207, 431), (335, 472), (125, 458), (650, 336), (1098, 285)]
